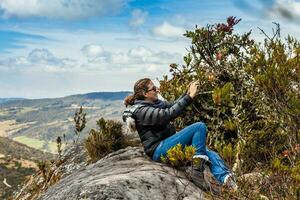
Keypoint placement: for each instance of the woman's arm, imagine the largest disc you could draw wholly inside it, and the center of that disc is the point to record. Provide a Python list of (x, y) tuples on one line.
[(170, 104), (150, 116)]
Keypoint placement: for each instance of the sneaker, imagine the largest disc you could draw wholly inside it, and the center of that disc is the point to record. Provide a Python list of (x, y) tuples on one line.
[(200, 160), (229, 182), (204, 157), (196, 175)]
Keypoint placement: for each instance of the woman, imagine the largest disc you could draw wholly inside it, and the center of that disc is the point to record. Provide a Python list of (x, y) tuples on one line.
[(152, 121)]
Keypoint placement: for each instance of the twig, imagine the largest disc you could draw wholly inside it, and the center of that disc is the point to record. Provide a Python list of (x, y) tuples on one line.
[(206, 92), (5, 183)]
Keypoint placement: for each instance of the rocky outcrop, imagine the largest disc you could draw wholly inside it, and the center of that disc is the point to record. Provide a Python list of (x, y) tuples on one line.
[(124, 174), (73, 158)]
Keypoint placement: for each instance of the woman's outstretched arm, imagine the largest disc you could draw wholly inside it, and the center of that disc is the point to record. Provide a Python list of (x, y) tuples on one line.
[(169, 104), (150, 116)]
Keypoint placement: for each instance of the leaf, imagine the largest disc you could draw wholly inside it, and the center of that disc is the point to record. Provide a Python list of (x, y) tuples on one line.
[(216, 95)]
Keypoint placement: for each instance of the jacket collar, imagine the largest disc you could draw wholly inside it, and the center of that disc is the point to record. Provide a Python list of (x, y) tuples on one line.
[(157, 104)]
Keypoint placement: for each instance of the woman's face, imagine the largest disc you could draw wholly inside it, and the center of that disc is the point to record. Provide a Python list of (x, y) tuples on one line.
[(152, 93)]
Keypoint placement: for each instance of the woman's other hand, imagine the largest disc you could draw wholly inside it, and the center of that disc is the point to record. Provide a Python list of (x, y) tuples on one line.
[(193, 88)]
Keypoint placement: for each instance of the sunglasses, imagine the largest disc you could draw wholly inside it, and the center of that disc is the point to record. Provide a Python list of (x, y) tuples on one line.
[(154, 88)]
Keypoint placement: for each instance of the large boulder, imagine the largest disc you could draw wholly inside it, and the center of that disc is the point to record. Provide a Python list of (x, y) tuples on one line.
[(124, 174)]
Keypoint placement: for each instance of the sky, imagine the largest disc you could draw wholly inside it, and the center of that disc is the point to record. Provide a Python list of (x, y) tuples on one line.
[(55, 48)]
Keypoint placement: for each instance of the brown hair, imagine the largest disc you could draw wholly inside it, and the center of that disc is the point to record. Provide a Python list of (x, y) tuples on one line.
[(139, 87)]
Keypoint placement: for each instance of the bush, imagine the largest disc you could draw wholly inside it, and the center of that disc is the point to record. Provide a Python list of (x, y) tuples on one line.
[(249, 98), (107, 139)]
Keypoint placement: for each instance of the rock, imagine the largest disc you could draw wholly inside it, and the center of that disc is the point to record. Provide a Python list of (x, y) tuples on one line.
[(124, 174), (73, 158)]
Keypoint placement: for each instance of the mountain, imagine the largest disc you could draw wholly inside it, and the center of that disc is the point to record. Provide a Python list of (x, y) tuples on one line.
[(17, 161), (3, 100), (38, 122), (104, 95)]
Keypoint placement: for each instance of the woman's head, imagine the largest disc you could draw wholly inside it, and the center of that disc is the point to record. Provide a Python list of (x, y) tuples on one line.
[(143, 89)]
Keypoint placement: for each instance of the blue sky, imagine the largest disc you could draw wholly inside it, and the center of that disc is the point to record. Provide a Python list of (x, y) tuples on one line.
[(62, 47)]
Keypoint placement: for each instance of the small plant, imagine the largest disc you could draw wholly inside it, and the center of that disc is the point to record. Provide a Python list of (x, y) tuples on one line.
[(179, 157), (65, 139), (107, 139), (80, 122), (58, 142), (44, 167)]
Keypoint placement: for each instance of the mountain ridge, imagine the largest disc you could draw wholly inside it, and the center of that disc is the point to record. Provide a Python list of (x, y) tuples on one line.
[(91, 95)]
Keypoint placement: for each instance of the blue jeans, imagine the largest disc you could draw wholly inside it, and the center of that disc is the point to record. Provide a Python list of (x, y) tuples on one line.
[(194, 134)]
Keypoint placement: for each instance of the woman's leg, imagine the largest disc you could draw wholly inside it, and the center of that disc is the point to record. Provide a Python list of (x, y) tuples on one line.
[(217, 166), (194, 134)]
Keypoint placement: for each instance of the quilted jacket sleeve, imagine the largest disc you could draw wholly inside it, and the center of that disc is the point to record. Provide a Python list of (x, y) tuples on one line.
[(150, 116), (170, 104)]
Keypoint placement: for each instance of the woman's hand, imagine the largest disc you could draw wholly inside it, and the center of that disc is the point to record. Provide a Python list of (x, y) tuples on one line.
[(193, 88)]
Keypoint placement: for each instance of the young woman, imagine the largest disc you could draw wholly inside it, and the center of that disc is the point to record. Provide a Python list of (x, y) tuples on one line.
[(151, 118)]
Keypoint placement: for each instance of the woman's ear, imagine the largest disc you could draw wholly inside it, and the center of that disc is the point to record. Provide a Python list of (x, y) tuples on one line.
[(144, 93)]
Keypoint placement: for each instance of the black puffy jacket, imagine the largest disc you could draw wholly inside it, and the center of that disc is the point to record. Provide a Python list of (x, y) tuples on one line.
[(152, 119)]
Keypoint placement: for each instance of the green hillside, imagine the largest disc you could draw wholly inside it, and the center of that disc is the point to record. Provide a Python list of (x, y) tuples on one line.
[(16, 162), (38, 122)]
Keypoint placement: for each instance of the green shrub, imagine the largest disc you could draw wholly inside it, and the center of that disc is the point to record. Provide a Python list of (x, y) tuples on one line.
[(249, 98), (179, 157), (107, 139)]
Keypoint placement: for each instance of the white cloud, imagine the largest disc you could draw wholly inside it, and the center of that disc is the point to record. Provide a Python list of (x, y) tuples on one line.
[(167, 30), (135, 56), (93, 50), (140, 52), (125, 62), (38, 60), (60, 9), (138, 18), (42, 56), (96, 59)]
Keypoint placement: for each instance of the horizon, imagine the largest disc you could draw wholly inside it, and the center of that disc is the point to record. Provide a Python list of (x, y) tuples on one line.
[(64, 96), (55, 49)]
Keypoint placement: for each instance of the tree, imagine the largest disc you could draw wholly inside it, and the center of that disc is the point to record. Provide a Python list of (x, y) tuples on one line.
[(249, 97)]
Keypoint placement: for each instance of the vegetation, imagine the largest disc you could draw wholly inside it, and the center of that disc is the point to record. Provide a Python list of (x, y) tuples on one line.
[(37, 144), (80, 122), (249, 100), (108, 138), (17, 162), (14, 174), (179, 157)]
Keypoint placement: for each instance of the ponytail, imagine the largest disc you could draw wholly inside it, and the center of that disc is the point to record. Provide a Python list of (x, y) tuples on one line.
[(129, 100)]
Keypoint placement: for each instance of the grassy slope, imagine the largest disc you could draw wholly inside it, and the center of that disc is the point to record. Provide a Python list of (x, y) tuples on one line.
[(41, 121), (16, 162)]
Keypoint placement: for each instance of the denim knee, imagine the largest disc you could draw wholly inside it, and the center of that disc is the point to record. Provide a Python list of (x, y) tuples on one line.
[(201, 126)]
